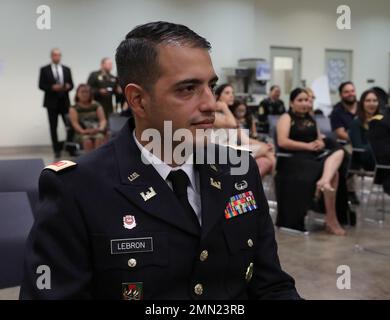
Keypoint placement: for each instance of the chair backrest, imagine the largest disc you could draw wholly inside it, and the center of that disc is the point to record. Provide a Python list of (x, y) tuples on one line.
[(272, 121), (21, 175), (16, 221), (323, 124), (116, 123)]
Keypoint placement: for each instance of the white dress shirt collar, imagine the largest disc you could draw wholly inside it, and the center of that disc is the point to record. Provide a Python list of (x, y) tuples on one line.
[(162, 168)]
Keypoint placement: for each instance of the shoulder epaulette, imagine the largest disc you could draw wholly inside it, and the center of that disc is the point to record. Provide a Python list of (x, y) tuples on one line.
[(60, 165)]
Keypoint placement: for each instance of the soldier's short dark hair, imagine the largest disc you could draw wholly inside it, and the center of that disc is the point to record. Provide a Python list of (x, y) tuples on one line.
[(137, 55)]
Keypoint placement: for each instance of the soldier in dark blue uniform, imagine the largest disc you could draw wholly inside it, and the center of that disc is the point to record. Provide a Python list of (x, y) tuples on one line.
[(123, 223)]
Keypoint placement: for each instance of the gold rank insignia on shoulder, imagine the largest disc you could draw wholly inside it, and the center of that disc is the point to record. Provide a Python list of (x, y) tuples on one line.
[(261, 110), (377, 117), (133, 176), (60, 165), (148, 194), (215, 184)]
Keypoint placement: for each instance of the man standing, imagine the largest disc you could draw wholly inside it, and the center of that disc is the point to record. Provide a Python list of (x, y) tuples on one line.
[(104, 86), (340, 119), (56, 81), (128, 223), (272, 105)]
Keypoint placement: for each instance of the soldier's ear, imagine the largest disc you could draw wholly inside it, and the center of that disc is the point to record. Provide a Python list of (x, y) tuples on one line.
[(135, 98)]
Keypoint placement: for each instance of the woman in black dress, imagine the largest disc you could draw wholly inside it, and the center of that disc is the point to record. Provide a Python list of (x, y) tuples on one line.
[(309, 172)]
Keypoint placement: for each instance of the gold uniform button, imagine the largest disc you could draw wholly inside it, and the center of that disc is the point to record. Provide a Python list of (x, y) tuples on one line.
[(204, 255), (198, 289), (249, 272), (132, 263), (250, 243)]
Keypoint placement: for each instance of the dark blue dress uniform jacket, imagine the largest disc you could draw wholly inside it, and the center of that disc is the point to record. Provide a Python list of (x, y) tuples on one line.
[(82, 210)]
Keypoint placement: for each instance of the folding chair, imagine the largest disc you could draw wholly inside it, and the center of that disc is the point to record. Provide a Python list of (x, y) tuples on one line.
[(16, 221), (116, 123), (21, 175)]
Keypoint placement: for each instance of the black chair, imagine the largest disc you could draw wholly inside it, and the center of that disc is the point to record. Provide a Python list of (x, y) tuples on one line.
[(16, 221), (116, 123), (21, 175), (69, 145)]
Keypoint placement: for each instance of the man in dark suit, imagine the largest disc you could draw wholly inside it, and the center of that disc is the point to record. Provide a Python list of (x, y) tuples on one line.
[(127, 222), (56, 81)]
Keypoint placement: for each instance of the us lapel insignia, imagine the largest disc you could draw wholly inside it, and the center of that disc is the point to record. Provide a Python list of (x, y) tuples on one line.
[(129, 222), (240, 204), (132, 291), (215, 184), (148, 194), (241, 185), (133, 176)]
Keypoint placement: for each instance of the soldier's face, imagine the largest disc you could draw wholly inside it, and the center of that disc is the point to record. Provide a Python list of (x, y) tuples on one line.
[(184, 91), (107, 65), (275, 94)]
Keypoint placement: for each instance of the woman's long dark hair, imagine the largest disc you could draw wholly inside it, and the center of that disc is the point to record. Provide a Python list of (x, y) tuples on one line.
[(248, 117), (361, 114), (220, 89), (296, 92)]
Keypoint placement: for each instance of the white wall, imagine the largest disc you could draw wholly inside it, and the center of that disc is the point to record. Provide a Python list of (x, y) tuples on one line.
[(88, 30), (311, 25)]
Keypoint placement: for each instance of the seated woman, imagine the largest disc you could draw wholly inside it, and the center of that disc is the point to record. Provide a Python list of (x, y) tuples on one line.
[(263, 151), (368, 107), (224, 119), (309, 172), (87, 119), (243, 118)]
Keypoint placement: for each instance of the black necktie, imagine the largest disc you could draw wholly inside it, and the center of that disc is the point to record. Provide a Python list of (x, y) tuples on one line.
[(57, 75), (180, 183)]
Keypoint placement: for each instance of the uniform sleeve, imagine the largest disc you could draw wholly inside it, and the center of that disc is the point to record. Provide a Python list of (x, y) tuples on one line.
[(93, 83), (44, 84), (58, 240), (70, 80), (269, 281)]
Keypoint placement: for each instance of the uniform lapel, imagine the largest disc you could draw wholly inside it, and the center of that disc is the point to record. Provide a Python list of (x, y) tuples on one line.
[(214, 198), (138, 179)]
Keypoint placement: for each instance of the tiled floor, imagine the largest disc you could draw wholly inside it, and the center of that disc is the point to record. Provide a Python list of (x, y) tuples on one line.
[(312, 259)]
